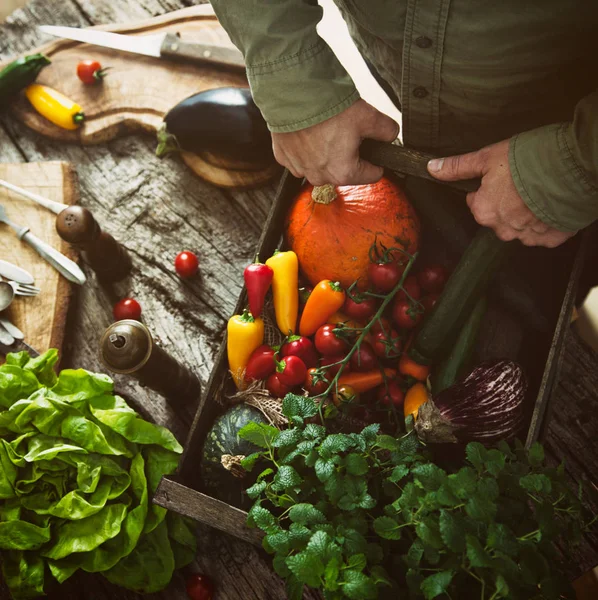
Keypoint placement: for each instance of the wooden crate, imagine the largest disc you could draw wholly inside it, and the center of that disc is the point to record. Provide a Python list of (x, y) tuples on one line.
[(548, 279)]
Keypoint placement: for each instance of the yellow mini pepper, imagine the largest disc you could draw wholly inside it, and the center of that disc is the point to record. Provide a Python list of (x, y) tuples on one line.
[(54, 106), (244, 335), (285, 289)]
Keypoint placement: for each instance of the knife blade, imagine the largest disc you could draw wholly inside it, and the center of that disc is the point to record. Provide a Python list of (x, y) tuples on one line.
[(18, 346), (163, 45), (14, 273)]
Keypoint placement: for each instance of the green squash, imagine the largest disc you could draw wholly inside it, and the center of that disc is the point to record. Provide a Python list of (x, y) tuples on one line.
[(223, 439)]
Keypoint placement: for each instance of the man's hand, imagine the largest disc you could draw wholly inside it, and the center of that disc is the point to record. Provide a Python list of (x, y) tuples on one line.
[(329, 151), (497, 204)]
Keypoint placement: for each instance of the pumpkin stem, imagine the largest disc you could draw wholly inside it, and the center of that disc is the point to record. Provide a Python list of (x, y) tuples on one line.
[(323, 194)]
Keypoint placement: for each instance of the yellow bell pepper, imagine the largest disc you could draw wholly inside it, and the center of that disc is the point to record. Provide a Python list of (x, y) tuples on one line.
[(54, 106), (244, 335), (285, 289)]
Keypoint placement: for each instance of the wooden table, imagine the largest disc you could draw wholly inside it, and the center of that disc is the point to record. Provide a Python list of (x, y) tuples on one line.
[(157, 208)]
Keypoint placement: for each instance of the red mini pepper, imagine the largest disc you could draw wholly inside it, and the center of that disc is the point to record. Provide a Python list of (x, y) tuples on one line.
[(258, 278)]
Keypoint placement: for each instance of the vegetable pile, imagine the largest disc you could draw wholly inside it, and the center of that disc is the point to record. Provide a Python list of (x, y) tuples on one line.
[(78, 467)]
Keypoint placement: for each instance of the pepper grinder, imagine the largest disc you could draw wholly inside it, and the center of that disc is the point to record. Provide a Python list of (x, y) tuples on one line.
[(127, 347), (109, 259)]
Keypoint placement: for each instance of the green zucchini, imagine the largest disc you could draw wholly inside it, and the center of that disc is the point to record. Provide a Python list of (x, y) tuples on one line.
[(19, 74), (467, 283), (451, 368)]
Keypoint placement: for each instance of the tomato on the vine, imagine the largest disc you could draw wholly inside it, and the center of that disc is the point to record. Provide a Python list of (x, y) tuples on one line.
[(387, 345), (411, 287), (364, 358), (260, 364), (328, 343), (362, 310), (127, 308), (313, 387), (384, 276), (291, 370), (406, 315), (332, 360), (276, 387), (428, 301), (301, 346), (199, 587), (90, 72), (382, 324), (391, 394), (432, 278), (345, 394), (186, 264)]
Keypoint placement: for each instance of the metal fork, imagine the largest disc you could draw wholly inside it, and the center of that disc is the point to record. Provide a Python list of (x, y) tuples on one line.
[(23, 289)]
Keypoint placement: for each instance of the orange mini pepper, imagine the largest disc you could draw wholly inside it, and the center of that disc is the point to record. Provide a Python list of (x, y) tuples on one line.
[(363, 382), (416, 395), (326, 298)]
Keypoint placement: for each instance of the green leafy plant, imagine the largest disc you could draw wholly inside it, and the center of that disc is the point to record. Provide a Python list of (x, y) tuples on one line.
[(77, 468), (342, 512)]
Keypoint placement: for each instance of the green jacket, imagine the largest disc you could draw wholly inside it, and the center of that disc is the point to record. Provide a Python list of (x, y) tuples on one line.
[(467, 72)]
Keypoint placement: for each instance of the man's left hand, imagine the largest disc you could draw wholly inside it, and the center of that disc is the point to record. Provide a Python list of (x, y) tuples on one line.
[(497, 204)]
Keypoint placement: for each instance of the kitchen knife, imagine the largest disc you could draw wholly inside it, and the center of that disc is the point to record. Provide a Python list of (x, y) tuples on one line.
[(18, 346), (408, 162), (14, 273), (163, 45)]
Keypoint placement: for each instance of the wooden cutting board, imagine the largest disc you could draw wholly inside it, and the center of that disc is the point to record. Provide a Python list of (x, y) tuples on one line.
[(139, 90), (41, 318)]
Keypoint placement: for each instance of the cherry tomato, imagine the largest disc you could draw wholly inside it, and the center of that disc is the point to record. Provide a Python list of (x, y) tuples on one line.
[(391, 393), (382, 324), (291, 371), (406, 315), (299, 345), (411, 286), (432, 278), (276, 387), (313, 388), (328, 343), (384, 276), (345, 394), (260, 364), (127, 308), (186, 264), (90, 72), (360, 311), (429, 301), (200, 587), (387, 345), (331, 360), (363, 359)]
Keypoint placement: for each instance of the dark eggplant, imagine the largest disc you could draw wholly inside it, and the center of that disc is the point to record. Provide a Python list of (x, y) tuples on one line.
[(486, 406), (223, 126)]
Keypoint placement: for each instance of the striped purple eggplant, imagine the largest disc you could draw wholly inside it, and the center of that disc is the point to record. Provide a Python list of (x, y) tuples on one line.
[(486, 406)]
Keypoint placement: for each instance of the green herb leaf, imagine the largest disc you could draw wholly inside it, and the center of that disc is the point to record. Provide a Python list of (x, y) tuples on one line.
[(324, 469), (286, 477), (280, 567), (279, 542), (313, 431), (356, 464), (476, 554), (287, 437), (370, 432), (263, 518), (357, 562), (495, 462), (437, 584), (430, 476), (249, 461), (481, 509), (536, 455), (428, 532), (260, 434), (414, 554), (476, 455), (536, 483), (298, 406), (380, 576), (387, 442), (463, 483), (306, 567), (306, 514), (398, 473), (502, 588), (358, 586), (335, 443), (500, 538), (387, 528), (452, 530), (256, 489), (294, 588)]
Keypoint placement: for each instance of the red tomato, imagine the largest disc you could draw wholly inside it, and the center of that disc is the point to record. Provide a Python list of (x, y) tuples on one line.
[(299, 345), (429, 301), (276, 387), (387, 345), (199, 587), (260, 364), (328, 343), (391, 393), (405, 315), (410, 286), (331, 360), (363, 359), (345, 394), (360, 311), (384, 276), (432, 278), (90, 72), (127, 308), (291, 371), (381, 324), (186, 264), (313, 388)]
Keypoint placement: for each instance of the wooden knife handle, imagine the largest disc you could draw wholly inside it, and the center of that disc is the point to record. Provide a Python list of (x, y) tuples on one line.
[(408, 162), (174, 48)]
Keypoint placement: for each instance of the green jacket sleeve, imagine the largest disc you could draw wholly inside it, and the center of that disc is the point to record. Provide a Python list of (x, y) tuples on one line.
[(295, 78), (555, 168)]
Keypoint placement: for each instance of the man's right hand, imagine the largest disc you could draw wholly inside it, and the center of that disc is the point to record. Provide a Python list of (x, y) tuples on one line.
[(329, 151)]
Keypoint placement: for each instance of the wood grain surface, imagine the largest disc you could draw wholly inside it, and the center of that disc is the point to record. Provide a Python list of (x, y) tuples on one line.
[(41, 318)]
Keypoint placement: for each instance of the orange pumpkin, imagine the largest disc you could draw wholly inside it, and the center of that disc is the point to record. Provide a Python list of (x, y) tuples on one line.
[(332, 228)]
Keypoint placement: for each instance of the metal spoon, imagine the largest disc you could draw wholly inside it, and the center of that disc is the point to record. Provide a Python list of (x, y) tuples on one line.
[(7, 295)]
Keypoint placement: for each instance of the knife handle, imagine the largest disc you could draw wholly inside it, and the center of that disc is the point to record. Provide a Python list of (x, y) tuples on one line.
[(408, 162), (173, 47), (59, 261)]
